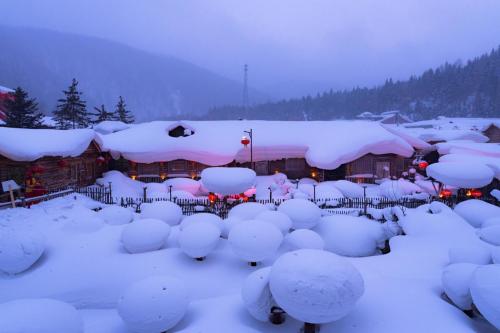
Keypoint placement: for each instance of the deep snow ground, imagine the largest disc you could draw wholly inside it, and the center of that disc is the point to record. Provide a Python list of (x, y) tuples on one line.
[(91, 269)]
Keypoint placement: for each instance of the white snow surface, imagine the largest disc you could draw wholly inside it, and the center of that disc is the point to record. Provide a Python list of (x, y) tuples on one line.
[(490, 234), (37, 143), (315, 286), (465, 174), (303, 213), (278, 219), (183, 184), (202, 218), (456, 282), (248, 210), (39, 316), (145, 235), (166, 211), (116, 215), (228, 181), (476, 212), (154, 304), (110, 126), (19, 249), (303, 239), (475, 253), (197, 240), (256, 295), (485, 292), (216, 143)]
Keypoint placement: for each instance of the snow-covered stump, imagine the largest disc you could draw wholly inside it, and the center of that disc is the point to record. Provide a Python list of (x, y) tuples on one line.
[(227, 181), (315, 286), (197, 240), (303, 213), (166, 211), (145, 235)]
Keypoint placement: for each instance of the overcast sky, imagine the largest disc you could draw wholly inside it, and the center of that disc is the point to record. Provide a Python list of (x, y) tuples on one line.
[(292, 47)]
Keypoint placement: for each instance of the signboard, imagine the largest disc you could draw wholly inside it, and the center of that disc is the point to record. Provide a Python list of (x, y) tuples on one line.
[(9, 185)]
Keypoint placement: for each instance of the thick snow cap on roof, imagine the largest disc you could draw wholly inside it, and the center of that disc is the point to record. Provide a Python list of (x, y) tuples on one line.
[(20, 144), (5, 90), (324, 144)]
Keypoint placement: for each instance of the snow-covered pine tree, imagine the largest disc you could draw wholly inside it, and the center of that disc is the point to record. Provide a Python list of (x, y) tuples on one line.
[(102, 115), (71, 111), (121, 112), (22, 111)]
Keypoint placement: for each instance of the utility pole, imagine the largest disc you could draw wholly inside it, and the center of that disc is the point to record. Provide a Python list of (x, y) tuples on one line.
[(245, 86), (250, 135)]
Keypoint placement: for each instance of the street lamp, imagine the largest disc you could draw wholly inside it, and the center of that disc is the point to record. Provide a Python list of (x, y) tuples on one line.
[(245, 141)]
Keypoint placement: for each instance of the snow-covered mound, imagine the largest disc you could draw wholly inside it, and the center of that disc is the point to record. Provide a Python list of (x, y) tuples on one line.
[(490, 234), (183, 184), (228, 181), (145, 235), (456, 280), (197, 240), (39, 315), (476, 211), (254, 240), (116, 215), (19, 249), (486, 293), (110, 126), (166, 211), (84, 224), (474, 253), (324, 191), (278, 219), (489, 222), (396, 189), (121, 185), (153, 305), (182, 195), (347, 188), (202, 218), (303, 239), (315, 286), (350, 236), (38, 143), (247, 210), (256, 294), (464, 174), (303, 213)]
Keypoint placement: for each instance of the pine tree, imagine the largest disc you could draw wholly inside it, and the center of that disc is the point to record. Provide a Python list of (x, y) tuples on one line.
[(102, 115), (71, 111), (121, 112), (22, 112)]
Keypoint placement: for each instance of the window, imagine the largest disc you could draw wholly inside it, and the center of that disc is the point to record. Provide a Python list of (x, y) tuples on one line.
[(148, 169), (177, 166), (295, 164)]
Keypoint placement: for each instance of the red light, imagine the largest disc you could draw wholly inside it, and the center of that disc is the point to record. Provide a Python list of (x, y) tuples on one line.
[(445, 193), (422, 165), (212, 197), (245, 141), (476, 193)]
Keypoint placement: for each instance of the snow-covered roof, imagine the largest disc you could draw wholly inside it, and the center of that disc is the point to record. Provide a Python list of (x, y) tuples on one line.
[(20, 144), (324, 144), (445, 123), (110, 126), (438, 135), (5, 90)]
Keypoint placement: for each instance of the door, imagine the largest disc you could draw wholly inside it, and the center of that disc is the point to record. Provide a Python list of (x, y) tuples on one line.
[(383, 169)]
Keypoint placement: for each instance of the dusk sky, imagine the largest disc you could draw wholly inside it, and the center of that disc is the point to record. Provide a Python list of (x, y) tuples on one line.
[(292, 47)]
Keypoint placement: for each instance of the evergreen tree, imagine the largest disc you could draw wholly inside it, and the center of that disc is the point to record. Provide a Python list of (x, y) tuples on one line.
[(102, 115), (22, 111), (121, 112), (71, 110)]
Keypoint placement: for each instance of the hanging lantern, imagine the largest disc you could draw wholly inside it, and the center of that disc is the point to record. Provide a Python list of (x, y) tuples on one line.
[(476, 193), (245, 141), (422, 165), (163, 175), (445, 193), (62, 164), (212, 197)]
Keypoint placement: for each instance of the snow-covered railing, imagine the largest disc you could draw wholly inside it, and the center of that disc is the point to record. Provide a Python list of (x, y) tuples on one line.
[(27, 202)]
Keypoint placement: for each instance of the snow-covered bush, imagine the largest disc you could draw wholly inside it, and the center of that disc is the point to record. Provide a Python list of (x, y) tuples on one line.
[(307, 181), (197, 240), (182, 195), (315, 286), (153, 305), (461, 174), (228, 181), (279, 219), (40, 315), (256, 294), (350, 236), (115, 215), (166, 211), (183, 184), (396, 189), (303, 213), (476, 211), (247, 210), (145, 235), (456, 279), (473, 253), (490, 234), (228, 224), (202, 218), (19, 249), (347, 188), (84, 224), (486, 293), (303, 239), (254, 240)]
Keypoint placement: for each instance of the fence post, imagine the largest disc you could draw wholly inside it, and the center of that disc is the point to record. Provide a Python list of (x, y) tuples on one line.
[(110, 193), (314, 192), (365, 203), (270, 194), (144, 193), (170, 192)]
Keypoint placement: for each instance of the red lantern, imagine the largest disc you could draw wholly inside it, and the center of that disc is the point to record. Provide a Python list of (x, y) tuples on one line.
[(476, 193), (100, 160), (245, 141), (445, 193), (62, 164), (212, 197), (422, 165)]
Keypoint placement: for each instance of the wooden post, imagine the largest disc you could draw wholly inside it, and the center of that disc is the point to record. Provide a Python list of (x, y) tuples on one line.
[(11, 194), (144, 195), (309, 328)]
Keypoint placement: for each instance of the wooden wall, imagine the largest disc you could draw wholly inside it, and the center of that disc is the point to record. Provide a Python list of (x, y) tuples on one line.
[(493, 133), (374, 165)]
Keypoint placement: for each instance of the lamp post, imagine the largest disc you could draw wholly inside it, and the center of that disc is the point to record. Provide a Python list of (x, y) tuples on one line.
[(245, 141)]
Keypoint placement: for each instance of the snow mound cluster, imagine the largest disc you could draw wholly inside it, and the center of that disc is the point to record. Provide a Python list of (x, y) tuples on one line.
[(303, 213), (19, 249), (254, 240), (153, 305), (197, 240), (228, 181), (315, 286), (39, 315), (145, 235), (166, 211), (351, 236)]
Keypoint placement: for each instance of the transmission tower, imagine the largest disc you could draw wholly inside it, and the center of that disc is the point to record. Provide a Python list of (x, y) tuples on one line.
[(245, 86)]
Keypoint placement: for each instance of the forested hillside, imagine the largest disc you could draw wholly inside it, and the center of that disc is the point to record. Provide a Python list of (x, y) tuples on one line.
[(470, 89)]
